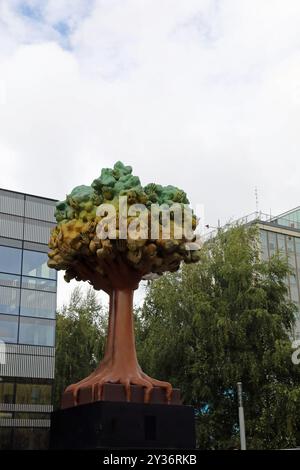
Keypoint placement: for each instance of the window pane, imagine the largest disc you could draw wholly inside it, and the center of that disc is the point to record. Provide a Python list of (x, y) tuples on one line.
[(6, 415), (10, 280), (36, 331), (281, 243), (25, 415), (38, 304), (8, 328), (263, 237), (9, 300), (290, 244), (294, 293), (264, 245), (10, 260), (33, 394), (6, 392), (39, 284), (292, 261), (35, 264), (272, 243)]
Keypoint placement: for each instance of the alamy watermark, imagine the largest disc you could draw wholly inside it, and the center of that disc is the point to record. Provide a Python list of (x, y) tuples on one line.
[(296, 353), (138, 222)]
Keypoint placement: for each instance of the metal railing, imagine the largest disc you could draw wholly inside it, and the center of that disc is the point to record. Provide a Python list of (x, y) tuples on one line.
[(256, 216)]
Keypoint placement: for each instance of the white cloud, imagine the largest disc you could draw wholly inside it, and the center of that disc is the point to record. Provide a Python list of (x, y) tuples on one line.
[(200, 94)]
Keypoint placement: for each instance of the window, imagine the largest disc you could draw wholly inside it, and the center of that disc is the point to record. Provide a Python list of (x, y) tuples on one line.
[(8, 329), (39, 284), (25, 415), (6, 414), (9, 280), (272, 243), (6, 392), (9, 300), (35, 264), (264, 245), (281, 243), (38, 304), (290, 244), (10, 260), (294, 289), (33, 394), (292, 261), (294, 293), (36, 331), (293, 280), (263, 238)]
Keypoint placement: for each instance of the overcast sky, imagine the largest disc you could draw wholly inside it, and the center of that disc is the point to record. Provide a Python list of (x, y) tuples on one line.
[(202, 94)]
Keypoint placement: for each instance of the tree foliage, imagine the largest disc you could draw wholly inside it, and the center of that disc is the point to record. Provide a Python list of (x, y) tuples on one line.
[(80, 339), (224, 320)]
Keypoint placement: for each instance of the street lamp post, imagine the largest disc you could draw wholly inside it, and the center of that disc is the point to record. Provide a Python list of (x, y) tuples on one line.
[(241, 416)]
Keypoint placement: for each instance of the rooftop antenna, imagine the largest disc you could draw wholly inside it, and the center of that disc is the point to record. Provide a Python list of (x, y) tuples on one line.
[(256, 200)]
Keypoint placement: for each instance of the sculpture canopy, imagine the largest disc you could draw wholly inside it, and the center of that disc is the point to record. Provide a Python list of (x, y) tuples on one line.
[(76, 248)]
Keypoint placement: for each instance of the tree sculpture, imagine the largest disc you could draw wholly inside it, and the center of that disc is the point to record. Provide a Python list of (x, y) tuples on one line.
[(116, 265)]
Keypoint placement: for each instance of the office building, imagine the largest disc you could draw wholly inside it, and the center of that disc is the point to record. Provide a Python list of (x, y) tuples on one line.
[(282, 234), (27, 320)]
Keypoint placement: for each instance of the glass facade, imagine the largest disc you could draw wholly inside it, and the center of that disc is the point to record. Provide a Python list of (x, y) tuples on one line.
[(8, 329), (289, 219), (37, 331), (27, 319), (10, 260), (287, 245), (9, 300), (6, 392), (35, 265), (33, 393)]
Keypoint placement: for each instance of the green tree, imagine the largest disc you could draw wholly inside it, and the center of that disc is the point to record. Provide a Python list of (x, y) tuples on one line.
[(224, 320), (80, 339)]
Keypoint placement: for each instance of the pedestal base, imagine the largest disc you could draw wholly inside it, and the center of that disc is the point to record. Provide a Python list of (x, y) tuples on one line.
[(105, 425), (116, 392)]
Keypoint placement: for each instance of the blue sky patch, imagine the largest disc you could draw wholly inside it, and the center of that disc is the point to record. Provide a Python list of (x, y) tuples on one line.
[(33, 13), (62, 28)]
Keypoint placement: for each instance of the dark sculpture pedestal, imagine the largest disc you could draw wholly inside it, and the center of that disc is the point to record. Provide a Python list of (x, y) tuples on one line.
[(111, 424)]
